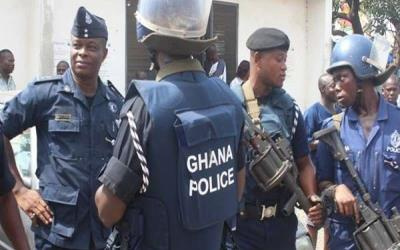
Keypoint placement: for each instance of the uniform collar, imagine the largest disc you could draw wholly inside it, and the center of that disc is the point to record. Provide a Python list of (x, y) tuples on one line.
[(178, 66), (382, 111), (70, 86)]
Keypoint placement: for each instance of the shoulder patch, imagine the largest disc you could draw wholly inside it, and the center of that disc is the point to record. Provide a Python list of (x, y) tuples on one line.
[(114, 89), (45, 79)]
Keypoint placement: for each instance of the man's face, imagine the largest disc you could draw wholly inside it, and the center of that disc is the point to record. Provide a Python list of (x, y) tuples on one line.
[(7, 63), (61, 68), (391, 90), (271, 67), (330, 91), (346, 86), (211, 54), (87, 55)]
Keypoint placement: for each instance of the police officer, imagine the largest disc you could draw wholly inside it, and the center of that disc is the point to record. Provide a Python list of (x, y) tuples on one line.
[(262, 223), (175, 173), (314, 117), (369, 129), (10, 219), (391, 89), (75, 119), (319, 111)]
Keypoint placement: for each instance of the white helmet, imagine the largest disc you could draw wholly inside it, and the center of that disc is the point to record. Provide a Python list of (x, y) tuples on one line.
[(174, 26)]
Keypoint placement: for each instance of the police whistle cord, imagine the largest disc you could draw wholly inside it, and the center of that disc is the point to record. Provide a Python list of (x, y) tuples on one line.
[(295, 120), (139, 151)]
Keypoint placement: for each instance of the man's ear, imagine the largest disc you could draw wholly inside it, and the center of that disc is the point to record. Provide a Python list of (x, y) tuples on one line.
[(105, 53), (257, 56)]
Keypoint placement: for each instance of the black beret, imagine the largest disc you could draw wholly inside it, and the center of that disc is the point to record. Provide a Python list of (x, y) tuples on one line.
[(87, 25), (268, 38)]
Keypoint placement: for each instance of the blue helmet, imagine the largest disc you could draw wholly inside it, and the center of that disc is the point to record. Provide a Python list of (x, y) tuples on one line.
[(354, 51)]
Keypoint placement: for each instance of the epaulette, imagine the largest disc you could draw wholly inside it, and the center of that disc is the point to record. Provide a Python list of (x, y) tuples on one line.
[(45, 79), (114, 89)]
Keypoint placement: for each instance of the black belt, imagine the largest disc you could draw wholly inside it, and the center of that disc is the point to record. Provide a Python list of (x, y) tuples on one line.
[(261, 212)]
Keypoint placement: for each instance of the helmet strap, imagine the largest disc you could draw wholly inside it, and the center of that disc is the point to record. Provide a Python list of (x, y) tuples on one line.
[(154, 63)]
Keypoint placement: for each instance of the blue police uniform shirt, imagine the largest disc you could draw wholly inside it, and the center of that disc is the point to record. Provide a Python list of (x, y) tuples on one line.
[(376, 160), (74, 142), (313, 118), (277, 116), (177, 222)]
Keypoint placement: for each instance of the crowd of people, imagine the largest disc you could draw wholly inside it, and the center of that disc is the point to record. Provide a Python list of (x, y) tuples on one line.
[(187, 161)]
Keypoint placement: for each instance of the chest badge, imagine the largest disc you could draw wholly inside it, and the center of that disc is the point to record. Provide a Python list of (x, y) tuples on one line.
[(394, 142), (113, 107), (395, 139)]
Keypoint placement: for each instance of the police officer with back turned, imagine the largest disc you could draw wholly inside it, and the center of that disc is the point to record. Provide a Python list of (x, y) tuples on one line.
[(176, 167), (75, 119)]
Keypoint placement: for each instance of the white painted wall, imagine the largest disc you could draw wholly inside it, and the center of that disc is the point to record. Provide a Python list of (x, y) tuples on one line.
[(318, 26), (39, 33), (20, 24)]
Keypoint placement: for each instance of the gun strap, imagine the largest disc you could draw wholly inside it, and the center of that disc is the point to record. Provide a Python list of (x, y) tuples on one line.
[(251, 103), (337, 120)]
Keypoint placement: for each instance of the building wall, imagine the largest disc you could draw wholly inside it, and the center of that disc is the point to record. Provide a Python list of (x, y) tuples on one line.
[(319, 16), (20, 24), (40, 33)]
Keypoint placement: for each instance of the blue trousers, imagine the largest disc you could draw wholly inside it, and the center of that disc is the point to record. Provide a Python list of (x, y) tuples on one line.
[(277, 233), (341, 236)]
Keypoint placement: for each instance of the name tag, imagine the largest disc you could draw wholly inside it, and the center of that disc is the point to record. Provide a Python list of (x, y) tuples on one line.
[(63, 117)]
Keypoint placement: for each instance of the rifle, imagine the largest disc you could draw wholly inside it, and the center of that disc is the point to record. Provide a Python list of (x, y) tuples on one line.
[(273, 164), (377, 232)]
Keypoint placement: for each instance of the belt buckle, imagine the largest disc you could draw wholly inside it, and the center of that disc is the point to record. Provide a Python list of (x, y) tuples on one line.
[(268, 212)]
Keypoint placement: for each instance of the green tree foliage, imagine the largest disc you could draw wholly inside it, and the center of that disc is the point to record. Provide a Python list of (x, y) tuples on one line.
[(383, 17)]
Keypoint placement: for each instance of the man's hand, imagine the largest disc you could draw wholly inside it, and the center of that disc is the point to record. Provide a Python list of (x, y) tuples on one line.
[(316, 213), (33, 205), (313, 145), (345, 201)]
